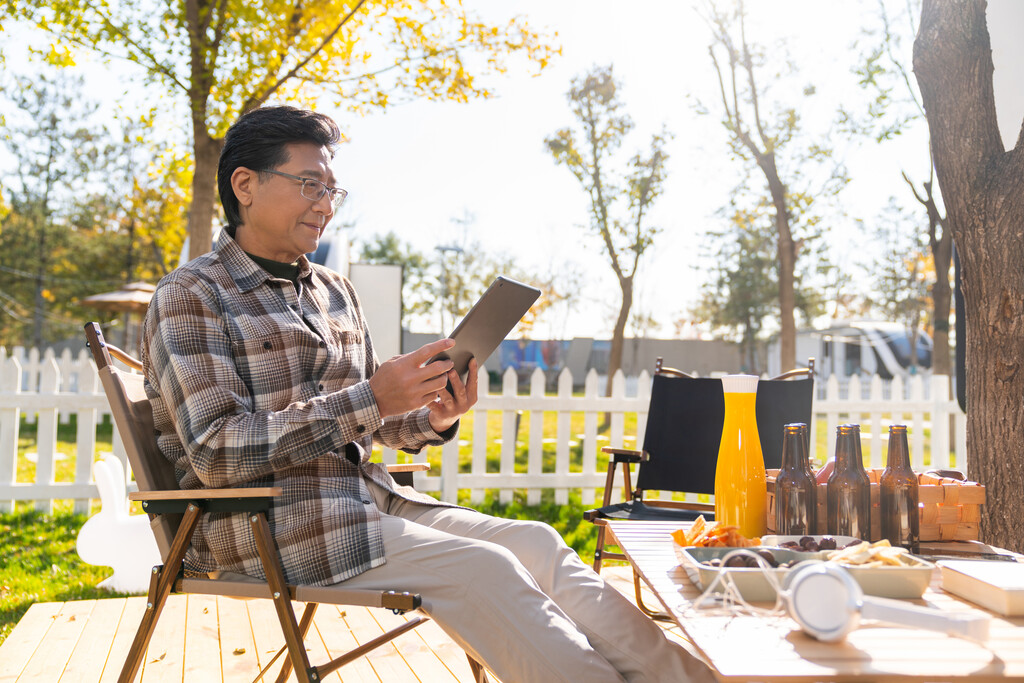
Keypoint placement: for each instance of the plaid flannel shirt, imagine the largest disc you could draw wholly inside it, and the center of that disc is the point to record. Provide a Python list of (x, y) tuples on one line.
[(254, 383)]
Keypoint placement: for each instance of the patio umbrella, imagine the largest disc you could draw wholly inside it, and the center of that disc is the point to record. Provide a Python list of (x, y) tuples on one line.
[(134, 298)]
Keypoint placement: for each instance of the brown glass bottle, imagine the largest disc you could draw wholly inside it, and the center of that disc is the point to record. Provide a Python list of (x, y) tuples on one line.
[(848, 492), (898, 496), (796, 509)]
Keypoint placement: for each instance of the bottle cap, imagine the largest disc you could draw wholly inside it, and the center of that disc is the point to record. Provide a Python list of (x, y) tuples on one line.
[(739, 384)]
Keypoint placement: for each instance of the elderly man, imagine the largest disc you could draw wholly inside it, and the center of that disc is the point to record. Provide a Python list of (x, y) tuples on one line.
[(261, 373)]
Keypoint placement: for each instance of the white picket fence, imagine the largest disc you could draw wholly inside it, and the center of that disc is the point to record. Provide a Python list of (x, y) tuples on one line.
[(46, 390)]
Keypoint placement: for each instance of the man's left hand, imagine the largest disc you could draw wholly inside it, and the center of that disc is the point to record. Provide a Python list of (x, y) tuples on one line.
[(449, 407)]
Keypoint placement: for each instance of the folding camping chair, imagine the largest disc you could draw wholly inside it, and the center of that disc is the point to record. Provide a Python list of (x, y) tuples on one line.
[(174, 514), (680, 449)]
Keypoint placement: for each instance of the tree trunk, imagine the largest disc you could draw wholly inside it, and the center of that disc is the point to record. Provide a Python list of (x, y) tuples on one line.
[(38, 310), (941, 297), (39, 301), (749, 350), (942, 256), (983, 189), (786, 250), (914, 333), (204, 192), (619, 333)]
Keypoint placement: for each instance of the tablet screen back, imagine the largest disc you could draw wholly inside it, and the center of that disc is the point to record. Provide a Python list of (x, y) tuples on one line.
[(489, 321)]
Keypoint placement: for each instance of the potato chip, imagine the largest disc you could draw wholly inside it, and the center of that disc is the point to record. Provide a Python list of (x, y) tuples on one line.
[(697, 529), (713, 535), (686, 537), (877, 554)]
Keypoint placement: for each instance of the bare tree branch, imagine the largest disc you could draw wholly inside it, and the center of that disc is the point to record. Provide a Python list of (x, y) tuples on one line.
[(748, 65)]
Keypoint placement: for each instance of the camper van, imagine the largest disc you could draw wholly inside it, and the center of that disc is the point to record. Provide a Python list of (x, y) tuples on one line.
[(863, 348)]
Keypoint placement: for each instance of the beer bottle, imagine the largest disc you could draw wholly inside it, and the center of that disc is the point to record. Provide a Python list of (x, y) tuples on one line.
[(796, 509), (897, 499), (848, 492)]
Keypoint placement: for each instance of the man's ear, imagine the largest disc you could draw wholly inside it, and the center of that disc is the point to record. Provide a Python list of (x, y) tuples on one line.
[(243, 182)]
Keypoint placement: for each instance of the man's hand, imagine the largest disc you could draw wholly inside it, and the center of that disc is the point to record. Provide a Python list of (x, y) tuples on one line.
[(449, 407), (407, 382)]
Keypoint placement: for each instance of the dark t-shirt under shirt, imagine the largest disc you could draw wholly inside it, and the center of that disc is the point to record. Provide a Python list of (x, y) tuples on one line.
[(286, 271)]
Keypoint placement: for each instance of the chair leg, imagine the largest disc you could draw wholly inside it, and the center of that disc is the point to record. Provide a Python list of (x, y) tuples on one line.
[(282, 600), (160, 584), (599, 548), (304, 623), (145, 632), (355, 653), (479, 674), (659, 616), (609, 483), (627, 484)]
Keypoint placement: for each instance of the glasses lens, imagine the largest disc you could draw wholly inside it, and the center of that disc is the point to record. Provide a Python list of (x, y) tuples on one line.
[(338, 197), (313, 189)]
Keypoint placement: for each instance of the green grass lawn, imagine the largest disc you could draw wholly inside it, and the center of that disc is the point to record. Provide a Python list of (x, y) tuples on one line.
[(38, 563), (64, 469), (38, 560)]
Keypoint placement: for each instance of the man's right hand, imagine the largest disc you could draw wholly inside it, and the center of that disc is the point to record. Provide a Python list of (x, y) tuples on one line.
[(407, 382)]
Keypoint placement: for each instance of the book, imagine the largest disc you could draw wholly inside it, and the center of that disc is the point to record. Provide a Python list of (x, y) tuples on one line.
[(996, 586)]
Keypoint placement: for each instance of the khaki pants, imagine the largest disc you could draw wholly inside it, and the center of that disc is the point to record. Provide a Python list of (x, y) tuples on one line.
[(518, 599)]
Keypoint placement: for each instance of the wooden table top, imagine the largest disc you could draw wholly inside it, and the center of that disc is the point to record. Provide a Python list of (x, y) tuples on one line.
[(754, 648)]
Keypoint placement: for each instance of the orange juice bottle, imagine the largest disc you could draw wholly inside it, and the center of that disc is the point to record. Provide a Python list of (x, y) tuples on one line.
[(740, 492)]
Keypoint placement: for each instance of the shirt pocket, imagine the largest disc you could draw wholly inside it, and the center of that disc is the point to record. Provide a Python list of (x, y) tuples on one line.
[(347, 361), (270, 366)]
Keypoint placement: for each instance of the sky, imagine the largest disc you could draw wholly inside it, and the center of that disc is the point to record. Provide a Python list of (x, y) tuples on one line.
[(417, 166)]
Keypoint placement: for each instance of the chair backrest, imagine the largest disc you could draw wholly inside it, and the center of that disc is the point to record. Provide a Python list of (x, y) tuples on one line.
[(684, 427), (780, 402), (133, 417), (684, 430)]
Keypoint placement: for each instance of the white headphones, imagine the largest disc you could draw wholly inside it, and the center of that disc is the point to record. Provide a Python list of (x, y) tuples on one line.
[(827, 603)]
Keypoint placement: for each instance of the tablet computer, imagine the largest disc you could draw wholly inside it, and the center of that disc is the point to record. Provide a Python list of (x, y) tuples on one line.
[(489, 321)]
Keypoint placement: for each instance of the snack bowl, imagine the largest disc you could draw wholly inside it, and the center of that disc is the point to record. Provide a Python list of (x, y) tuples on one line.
[(750, 581), (903, 582), (906, 582)]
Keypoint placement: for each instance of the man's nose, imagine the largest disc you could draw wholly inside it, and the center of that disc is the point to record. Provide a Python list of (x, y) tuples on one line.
[(324, 204)]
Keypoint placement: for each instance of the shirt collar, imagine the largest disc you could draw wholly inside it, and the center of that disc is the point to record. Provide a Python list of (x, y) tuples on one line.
[(243, 270)]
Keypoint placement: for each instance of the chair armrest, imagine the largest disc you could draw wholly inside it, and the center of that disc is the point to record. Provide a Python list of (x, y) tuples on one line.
[(410, 467), (206, 494), (130, 361), (625, 454), (208, 500)]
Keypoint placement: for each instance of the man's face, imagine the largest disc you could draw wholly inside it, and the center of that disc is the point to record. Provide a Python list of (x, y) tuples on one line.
[(279, 223)]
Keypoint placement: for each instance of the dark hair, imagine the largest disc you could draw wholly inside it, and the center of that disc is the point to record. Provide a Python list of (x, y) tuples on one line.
[(257, 140)]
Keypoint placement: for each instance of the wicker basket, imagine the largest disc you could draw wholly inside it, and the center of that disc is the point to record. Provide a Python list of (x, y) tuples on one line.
[(950, 509)]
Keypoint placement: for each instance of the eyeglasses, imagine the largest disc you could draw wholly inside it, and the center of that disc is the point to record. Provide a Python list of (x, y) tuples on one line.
[(312, 189)]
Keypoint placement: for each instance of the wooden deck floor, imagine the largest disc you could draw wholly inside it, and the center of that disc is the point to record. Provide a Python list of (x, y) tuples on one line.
[(202, 638)]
